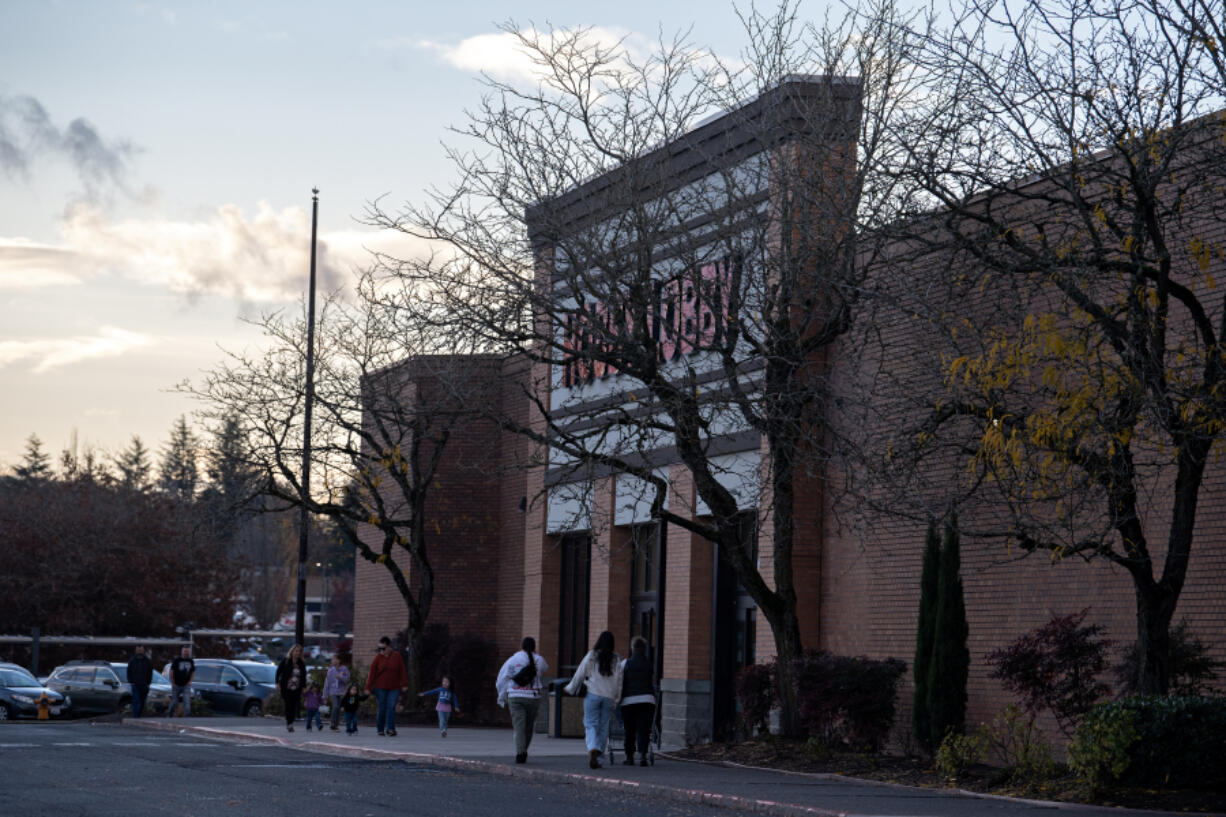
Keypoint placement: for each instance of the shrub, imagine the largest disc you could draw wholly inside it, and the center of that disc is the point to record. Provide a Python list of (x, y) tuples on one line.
[(1020, 745), (1055, 667), (1168, 741), (957, 753), (849, 700), (755, 691), (1191, 667), (468, 659)]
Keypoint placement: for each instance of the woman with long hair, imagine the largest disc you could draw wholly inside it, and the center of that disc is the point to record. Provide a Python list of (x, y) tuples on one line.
[(291, 679), (601, 670), (519, 689)]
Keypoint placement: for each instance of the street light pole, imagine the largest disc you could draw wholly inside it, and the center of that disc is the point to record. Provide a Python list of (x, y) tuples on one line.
[(304, 527)]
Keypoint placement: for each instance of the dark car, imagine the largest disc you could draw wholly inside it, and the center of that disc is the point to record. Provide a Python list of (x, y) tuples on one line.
[(93, 686), (234, 687), (158, 699), (20, 691)]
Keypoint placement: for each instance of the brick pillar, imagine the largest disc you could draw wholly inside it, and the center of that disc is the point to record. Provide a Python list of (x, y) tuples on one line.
[(609, 590), (689, 579)]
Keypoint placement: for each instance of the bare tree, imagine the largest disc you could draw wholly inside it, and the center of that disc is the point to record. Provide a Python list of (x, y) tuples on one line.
[(676, 283), (387, 398), (1070, 176)]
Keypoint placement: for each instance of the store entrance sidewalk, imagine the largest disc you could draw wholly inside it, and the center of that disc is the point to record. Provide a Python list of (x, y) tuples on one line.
[(564, 760)]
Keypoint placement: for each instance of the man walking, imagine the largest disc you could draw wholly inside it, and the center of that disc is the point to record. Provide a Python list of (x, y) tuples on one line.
[(182, 671), (140, 676)]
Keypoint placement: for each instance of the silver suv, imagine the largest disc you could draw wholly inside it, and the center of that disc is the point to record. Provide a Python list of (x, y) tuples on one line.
[(93, 686)]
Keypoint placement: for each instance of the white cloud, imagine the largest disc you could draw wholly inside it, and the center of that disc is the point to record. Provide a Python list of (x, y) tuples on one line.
[(29, 265), (52, 353), (252, 258), (502, 55)]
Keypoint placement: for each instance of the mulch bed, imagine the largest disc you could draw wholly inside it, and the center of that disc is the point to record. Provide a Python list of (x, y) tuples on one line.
[(798, 756)]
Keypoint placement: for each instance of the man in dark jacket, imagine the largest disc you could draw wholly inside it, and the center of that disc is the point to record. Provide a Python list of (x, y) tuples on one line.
[(182, 671), (140, 676)]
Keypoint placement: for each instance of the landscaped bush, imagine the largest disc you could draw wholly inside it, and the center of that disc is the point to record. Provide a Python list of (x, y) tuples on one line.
[(957, 753), (1191, 667), (1020, 745), (755, 690), (1055, 667), (847, 700), (1160, 741)]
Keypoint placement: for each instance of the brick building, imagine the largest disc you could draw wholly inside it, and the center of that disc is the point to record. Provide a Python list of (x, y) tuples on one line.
[(544, 543)]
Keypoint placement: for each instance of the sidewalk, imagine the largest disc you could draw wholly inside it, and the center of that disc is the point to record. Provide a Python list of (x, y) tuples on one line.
[(564, 760)]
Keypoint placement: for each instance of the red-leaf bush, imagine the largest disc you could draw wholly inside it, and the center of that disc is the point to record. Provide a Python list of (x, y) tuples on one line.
[(1055, 667), (846, 700)]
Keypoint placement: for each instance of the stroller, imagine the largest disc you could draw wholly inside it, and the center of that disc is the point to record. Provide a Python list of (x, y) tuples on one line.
[(617, 735)]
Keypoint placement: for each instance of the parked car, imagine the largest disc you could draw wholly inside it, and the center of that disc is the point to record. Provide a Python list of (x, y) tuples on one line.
[(20, 691), (235, 687), (158, 700), (93, 686), (253, 655)]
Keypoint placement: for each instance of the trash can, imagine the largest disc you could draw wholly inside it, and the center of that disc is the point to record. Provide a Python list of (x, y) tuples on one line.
[(565, 711)]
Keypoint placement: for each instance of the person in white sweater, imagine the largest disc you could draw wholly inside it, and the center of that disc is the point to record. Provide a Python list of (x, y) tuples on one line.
[(519, 687), (601, 670)]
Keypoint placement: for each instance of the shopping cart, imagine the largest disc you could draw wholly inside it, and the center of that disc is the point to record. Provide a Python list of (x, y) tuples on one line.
[(617, 735)]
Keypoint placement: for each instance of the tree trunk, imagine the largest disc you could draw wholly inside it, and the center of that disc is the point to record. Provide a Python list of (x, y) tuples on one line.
[(786, 629), (412, 648), (1155, 609)]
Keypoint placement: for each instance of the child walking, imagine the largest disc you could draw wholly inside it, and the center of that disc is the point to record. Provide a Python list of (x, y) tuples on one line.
[(312, 699), (350, 702), (447, 703)]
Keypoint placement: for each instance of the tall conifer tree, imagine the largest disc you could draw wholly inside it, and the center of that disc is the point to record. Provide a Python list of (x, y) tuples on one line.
[(921, 723), (951, 660)]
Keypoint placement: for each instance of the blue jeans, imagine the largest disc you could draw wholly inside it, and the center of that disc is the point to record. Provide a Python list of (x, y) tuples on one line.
[(596, 713), (443, 718), (138, 700), (180, 695), (313, 715), (351, 722), (385, 719)]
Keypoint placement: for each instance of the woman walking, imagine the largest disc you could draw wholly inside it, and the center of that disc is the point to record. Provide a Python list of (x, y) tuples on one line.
[(387, 679), (519, 688), (601, 670), (334, 689), (291, 677), (638, 700)]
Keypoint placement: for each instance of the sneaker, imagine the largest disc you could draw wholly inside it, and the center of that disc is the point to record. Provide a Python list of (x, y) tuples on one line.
[(290, 727), (522, 758), (444, 733), (593, 759), (391, 733)]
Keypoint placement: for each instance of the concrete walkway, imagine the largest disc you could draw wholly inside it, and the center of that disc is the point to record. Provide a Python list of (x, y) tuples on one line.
[(564, 761)]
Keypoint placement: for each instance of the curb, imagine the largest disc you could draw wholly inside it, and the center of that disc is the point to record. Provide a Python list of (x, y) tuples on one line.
[(729, 801)]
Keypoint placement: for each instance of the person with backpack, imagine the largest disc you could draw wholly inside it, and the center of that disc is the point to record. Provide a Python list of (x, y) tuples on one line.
[(519, 689), (601, 670), (638, 700)]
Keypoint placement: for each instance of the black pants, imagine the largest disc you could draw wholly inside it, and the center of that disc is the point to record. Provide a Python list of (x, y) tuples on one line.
[(291, 698), (637, 719)]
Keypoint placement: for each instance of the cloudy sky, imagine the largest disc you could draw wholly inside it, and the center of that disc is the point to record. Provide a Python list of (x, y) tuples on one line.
[(156, 161)]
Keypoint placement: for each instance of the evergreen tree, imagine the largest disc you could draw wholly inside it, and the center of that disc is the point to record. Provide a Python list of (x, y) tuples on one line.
[(232, 481), (134, 466), (179, 473), (36, 464), (951, 660), (921, 723)]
